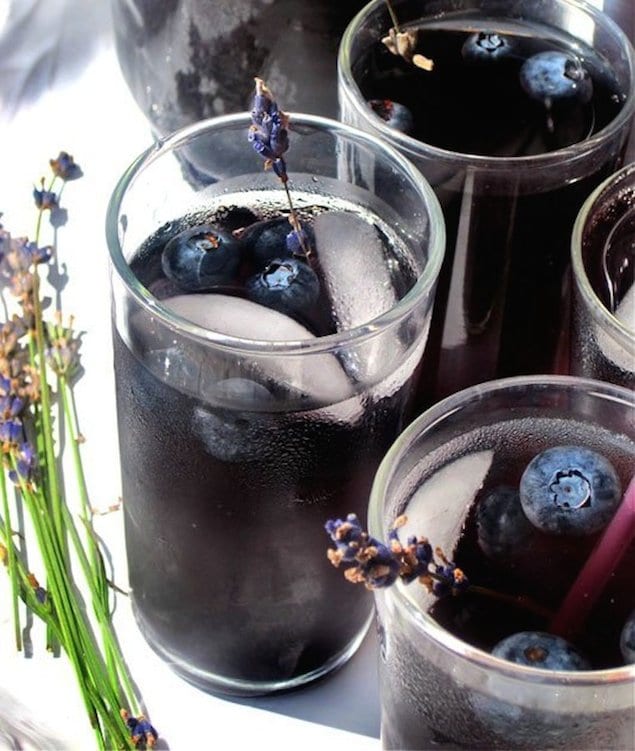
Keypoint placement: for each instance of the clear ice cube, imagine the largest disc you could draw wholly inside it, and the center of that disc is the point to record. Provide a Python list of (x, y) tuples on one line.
[(439, 507), (625, 314), (318, 377), (352, 258), (359, 284)]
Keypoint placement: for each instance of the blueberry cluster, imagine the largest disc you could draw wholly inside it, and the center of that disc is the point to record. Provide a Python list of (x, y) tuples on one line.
[(550, 77), (266, 261), (565, 491), (276, 252)]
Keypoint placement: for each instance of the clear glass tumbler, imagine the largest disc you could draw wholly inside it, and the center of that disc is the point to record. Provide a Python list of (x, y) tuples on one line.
[(440, 686), (603, 263), (510, 164), (241, 428)]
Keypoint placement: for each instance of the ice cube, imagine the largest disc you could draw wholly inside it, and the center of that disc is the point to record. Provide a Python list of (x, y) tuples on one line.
[(235, 436), (626, 309), (351, 254), (319, 377), (625, 313), (439, 507), (173, 368), (357, 278)]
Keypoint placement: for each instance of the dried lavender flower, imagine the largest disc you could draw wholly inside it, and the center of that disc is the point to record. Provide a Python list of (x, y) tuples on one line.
[(377, 565)]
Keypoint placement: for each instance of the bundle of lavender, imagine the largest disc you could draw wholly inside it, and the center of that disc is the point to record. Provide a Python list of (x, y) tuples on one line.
[(39, 366)]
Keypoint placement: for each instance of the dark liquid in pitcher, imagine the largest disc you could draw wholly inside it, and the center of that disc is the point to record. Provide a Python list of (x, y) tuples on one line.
[(502, 304)]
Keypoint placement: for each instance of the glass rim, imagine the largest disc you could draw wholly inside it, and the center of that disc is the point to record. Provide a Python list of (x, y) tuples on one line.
[(422, 621), (412, 146), (368, 330), (599, 312)]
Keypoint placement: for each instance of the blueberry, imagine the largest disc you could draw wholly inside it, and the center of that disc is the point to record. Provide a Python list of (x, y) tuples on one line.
[(554, 76), (483, 46), (537, 649), (285, 284), (627, 639), (569, 490), (503, 529), (201, 257), (274, 238), (395, 115)]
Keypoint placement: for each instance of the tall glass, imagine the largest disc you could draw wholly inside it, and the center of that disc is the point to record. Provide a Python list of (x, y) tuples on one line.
[(603, 263), (240, 429), (510, 194), (439, 690)]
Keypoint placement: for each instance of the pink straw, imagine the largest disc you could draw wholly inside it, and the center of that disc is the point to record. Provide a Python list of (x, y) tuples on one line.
[(603, 560)]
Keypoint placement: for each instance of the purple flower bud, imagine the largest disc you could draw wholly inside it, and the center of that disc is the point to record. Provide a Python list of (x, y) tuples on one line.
[(65, 167), (44, 199), (268, 133), (260, 143), (11, 430)]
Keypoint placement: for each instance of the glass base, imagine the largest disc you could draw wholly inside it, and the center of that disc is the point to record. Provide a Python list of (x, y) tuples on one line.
[(219, 684)]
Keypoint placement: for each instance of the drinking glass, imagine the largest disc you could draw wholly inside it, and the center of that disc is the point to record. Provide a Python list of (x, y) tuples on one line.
[(240, 431), (502, 302), (603, 264), (437, 690)]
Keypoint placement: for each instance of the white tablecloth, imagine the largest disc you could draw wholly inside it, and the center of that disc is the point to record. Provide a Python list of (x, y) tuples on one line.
[(61, 88)]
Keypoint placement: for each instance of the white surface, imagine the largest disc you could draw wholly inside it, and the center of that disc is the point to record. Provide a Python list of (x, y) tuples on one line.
[(61, 89)]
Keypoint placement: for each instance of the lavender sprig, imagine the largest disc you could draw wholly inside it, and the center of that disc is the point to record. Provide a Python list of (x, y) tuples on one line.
[(371, 562), (377, 565), (39, 362), (269, 137)]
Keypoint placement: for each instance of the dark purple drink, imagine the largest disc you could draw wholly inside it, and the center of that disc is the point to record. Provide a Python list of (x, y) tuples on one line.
[(231, 462), (497, 137), (464, 474)]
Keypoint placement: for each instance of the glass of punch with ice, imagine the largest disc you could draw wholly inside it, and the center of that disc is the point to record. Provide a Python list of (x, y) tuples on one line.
[(268, 330)]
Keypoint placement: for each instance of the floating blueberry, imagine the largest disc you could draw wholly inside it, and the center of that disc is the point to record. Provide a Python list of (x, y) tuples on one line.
[(503, 529), (627, 639), (537, 649), (201, 257), (484, 46), (274, 238), (569, 490), (395, 115), (286, 284), (555, 76)]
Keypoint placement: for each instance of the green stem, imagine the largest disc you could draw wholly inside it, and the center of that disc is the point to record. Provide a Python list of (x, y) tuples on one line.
[(11, 561), (519, 601), (393, 16), (99, 695), (51, 642), (58, 591), (93, 567), (45, 412), (293, 219)]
